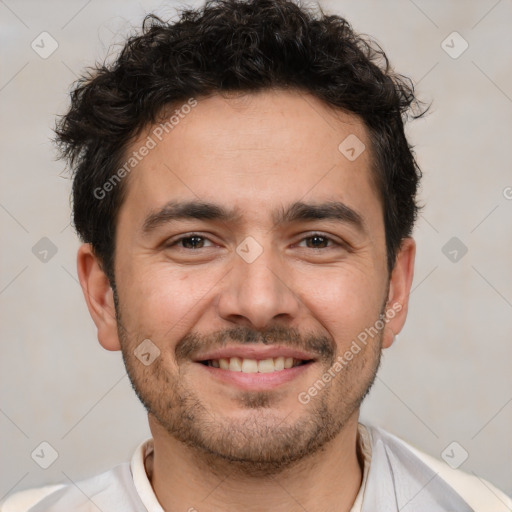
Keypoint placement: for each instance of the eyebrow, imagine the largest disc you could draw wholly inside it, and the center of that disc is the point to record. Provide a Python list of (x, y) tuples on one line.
[(297, 211)]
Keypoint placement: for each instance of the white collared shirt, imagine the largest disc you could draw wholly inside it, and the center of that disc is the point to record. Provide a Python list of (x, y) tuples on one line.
[(396, 477)]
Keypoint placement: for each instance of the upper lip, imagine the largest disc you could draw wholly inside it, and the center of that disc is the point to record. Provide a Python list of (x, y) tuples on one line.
[(253, 352)]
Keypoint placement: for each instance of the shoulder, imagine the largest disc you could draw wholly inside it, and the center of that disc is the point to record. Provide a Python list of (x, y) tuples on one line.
[(24, 500), (104, 491), (479, 494), (119, 488)]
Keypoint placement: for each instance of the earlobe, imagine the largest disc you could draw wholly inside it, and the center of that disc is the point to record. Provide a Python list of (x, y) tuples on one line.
[(399, 290), (98, 296)]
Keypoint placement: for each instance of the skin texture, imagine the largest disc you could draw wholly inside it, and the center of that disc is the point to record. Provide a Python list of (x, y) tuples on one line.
[(218, 447)]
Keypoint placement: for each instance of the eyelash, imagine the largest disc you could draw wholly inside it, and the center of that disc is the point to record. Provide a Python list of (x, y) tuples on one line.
[(313, 235)]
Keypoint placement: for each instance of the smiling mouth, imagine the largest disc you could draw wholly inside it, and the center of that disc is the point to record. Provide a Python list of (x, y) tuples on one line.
[(247, 365)]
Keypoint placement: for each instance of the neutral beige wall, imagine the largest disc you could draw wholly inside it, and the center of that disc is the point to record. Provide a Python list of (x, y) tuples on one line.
[(448, 377)]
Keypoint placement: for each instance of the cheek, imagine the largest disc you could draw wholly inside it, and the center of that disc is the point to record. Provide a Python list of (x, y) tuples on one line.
[(164, 302), (345, 302), (158, 298)]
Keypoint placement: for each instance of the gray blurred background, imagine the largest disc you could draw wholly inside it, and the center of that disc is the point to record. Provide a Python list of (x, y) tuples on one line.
[(447, 378)]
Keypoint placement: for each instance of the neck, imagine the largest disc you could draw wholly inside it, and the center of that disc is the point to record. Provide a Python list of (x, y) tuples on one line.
[(185, 479)]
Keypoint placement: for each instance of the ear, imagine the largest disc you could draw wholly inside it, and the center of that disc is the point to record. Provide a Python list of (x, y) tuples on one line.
[(99, 297), (399, 290)]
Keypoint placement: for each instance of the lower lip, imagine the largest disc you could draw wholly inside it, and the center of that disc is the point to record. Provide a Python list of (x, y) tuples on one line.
[(257, 381)]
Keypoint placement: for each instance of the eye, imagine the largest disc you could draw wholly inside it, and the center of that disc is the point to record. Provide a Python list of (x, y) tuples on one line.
[(320, 241), (193, 241), (196, 241)]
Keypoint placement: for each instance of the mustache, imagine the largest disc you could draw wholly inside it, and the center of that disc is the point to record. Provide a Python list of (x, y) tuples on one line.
[(320, 346)]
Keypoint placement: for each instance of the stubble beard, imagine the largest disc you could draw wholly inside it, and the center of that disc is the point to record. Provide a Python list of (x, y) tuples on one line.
[(259, 443)]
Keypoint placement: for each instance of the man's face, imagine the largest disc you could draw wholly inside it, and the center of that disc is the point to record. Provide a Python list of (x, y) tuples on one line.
[(302, 284)]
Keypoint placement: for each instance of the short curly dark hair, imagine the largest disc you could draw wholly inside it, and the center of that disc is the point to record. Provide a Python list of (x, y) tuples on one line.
[(244, 46)]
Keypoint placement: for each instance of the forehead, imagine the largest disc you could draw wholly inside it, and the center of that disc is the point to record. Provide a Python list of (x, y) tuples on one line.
[(252, 151)]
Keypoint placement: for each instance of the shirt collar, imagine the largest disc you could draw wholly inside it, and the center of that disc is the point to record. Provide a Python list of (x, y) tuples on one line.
[(150, 501)]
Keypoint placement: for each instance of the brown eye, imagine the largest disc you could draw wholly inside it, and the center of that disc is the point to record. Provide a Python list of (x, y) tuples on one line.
[(190, 242), (318, 241)]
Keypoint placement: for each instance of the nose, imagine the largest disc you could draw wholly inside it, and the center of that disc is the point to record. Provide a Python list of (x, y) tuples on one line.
[(256, 294)]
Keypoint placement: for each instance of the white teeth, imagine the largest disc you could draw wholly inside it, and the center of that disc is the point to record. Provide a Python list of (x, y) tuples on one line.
[(235, 364), (246, 365), (279, 363), (265, 365), (249, 366)]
